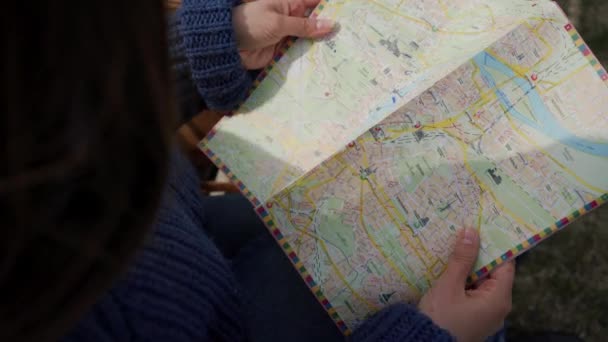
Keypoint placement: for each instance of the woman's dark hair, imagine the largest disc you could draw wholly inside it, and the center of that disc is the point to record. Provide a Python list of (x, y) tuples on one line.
[(85, 133)]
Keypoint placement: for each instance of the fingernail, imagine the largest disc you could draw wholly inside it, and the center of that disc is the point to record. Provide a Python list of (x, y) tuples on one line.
[(325, 24), (469, 236)]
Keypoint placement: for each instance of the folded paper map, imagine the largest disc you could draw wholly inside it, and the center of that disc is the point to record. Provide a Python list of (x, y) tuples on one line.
[(365, 152)]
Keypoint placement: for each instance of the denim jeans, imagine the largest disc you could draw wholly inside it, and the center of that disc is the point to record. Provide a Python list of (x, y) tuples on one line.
[(278, 305)]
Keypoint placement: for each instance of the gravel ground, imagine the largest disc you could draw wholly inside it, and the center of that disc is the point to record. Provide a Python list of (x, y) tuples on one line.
[(562, 285)]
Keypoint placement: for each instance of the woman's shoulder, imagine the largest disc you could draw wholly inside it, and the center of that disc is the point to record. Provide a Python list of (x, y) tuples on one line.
[(179, 287)]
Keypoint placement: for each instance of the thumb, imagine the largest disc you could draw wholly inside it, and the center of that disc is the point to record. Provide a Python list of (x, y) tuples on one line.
[(463, 258), (306, 27)]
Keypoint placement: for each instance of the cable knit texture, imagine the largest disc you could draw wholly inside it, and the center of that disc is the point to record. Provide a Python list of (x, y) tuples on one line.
[(208, 42), (187, 96)]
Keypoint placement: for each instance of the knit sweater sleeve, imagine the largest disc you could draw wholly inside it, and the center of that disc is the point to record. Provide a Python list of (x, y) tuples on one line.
[(399, 322), (208, 42)]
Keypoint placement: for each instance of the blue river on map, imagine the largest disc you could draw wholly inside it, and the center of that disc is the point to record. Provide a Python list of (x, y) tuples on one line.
[(545, 121)]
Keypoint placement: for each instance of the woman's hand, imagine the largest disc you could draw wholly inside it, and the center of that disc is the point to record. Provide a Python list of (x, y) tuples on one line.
[(261, 26), (469, 315)]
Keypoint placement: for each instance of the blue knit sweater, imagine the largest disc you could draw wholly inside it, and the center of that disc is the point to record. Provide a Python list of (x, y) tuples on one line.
[(181, 287)]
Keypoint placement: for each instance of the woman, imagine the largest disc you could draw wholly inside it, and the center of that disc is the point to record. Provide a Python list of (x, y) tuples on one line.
[(106, 236)]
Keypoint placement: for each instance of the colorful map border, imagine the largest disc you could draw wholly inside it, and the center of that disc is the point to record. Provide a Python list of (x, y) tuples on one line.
[(586, 51), (299, 266), (224, 168), (266, 217), (545, 233), (261, 210), (534, 240), (203, 144), (276, 233)]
